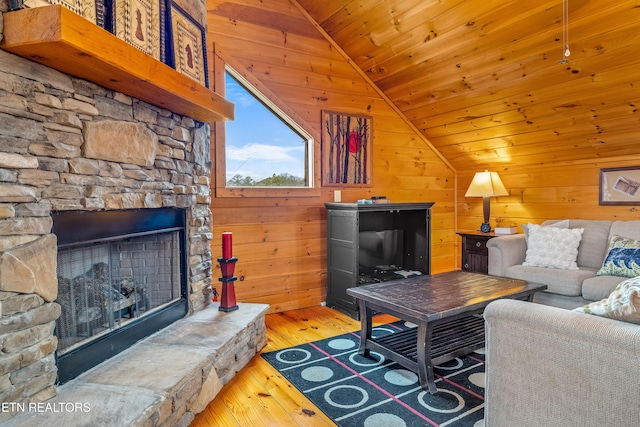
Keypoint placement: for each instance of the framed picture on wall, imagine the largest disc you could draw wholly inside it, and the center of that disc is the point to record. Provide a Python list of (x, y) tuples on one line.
[(620, 186), (186, 51), (346, 149), (138, 23), (89, 9)]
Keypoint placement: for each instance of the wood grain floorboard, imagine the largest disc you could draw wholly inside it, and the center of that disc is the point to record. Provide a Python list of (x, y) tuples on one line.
[(258, 395)]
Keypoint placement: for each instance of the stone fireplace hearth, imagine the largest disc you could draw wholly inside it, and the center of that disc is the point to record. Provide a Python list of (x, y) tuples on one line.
[(70, 145), (144, 386)]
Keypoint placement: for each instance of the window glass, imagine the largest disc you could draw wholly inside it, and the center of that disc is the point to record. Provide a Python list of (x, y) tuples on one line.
[(263, 147)]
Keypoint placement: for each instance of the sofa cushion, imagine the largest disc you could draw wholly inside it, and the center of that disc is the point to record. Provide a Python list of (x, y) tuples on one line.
[(595, 240), (563, 282), (552, 247), (599, 287), (550, 223), (623, 258), (622, 304), (630, 229)]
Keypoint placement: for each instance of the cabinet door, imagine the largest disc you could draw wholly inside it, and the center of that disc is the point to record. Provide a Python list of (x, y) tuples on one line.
[(342, 267)]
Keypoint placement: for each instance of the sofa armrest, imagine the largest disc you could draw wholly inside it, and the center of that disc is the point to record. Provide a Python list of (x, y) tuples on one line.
[(505, 251), (547, 366)]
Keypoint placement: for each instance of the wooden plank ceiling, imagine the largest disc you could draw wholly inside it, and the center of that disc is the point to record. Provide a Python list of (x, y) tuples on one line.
[(482, 79)]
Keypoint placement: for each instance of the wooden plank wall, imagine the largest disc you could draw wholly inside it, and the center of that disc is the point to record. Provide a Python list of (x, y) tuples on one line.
[(537, 193), (281, 242)]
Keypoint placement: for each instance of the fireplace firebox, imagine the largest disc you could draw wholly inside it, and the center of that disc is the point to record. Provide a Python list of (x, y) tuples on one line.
[(121, 277)]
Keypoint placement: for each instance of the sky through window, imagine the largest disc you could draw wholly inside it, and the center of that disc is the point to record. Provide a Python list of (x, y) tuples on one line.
[(258, 143)]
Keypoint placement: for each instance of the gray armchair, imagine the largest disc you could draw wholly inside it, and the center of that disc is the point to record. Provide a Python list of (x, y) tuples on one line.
[(551, 367)]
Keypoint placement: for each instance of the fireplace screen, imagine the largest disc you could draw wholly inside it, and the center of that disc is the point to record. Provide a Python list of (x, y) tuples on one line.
[(104, 286), (121, 277)]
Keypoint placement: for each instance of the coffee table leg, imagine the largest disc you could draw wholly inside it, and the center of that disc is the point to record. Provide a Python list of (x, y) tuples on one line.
[(425, 367), (366, 315)]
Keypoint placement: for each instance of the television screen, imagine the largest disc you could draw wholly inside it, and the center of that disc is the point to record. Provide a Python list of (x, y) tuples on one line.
[(381, 249)]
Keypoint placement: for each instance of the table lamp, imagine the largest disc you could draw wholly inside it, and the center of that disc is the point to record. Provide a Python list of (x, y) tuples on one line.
[(486, 185)]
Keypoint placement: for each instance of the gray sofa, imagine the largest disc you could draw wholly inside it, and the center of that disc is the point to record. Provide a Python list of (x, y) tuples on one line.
[(550, 367), (565, 288)]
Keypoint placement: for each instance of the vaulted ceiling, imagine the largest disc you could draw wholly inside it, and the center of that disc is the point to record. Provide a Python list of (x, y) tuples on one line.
[(482, 79)]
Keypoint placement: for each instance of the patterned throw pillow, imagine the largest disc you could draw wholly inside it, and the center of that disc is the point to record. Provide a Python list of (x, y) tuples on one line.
[(623, 303), (623, 258), (553, 247)]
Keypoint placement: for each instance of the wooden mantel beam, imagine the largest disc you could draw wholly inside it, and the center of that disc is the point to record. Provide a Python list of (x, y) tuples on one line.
[(57, 37)]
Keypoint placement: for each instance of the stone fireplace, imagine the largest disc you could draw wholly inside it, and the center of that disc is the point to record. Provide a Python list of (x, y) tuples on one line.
[(69, 145), (134, 149)]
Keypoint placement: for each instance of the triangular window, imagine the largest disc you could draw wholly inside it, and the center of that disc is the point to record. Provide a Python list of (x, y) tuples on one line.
[(263, 146)]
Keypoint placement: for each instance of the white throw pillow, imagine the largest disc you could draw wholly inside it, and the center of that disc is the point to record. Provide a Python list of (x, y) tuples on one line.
[(553, 247), (559, 224)]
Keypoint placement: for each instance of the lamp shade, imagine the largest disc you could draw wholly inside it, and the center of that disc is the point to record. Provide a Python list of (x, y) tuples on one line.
[(486, 184)]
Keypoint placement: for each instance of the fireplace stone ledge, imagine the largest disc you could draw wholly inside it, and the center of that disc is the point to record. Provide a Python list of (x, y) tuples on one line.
[(164, 380)]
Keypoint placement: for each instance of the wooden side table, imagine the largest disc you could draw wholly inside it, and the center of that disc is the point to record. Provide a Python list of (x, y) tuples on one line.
[(475, 255)]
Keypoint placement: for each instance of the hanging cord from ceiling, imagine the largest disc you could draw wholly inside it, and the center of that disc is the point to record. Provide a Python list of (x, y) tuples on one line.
[(565, 32)]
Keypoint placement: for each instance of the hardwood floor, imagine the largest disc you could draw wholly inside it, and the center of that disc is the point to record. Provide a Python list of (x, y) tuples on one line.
[(258, 395)]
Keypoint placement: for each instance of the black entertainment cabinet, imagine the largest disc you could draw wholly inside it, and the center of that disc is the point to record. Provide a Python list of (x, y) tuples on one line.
[(371, 243)]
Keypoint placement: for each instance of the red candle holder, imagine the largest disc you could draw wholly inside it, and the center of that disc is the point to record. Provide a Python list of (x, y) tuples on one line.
[(228, 294), (227, 266)]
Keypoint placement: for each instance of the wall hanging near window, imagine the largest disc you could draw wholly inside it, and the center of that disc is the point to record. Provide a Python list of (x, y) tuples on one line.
[(91, 10), (346, 149), (186, 51), (159, 28), (620, 186), (138, 23)]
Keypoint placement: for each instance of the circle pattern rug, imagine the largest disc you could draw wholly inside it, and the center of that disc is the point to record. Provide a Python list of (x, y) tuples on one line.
[(354, 390)]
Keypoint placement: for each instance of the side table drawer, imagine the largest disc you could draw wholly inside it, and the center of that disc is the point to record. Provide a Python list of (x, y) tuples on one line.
[(476, 245), (476, 263)]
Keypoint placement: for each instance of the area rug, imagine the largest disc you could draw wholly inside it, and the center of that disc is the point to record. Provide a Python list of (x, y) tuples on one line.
[(374, 392)]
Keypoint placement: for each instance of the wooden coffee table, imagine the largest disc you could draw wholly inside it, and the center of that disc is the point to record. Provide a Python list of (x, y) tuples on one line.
[(447, 308)]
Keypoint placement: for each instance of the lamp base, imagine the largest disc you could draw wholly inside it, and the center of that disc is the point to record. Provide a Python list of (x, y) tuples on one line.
[(485, 227), (486, 209)]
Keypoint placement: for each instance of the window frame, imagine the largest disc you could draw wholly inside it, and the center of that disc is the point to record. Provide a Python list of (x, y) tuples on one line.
[(218, 138)]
